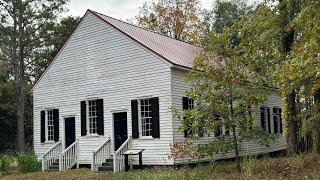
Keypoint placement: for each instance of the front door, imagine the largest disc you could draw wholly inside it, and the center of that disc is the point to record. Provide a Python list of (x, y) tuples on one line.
[(120, 129), (70, 131)]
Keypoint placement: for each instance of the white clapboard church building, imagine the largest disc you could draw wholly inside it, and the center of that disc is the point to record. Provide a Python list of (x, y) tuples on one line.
[(109, 89)]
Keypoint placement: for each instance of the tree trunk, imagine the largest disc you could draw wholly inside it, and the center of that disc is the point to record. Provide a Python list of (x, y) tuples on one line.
[(235, 140), (317, 104), (288, 10), (292, 124), (20, 83), (236, 148)]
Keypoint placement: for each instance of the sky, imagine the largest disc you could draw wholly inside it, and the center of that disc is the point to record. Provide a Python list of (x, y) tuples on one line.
[(119, 9)]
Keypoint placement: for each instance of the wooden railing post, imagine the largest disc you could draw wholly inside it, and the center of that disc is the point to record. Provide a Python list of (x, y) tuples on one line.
[(115, 162), (93, 168), (100, 154)]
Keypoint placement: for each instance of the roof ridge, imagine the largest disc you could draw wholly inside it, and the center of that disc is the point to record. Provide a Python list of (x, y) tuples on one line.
[(144, 28)]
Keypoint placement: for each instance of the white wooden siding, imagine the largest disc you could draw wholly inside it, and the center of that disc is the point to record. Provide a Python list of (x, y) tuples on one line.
[(179, 88), (100, 62)]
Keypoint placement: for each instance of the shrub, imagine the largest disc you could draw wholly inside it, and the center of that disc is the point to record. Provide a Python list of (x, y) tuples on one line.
[(28, 163), (5, 162)]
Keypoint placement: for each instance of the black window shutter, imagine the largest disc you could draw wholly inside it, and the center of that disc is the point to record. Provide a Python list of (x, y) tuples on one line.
[(100, 120), (56, 125), (43, 126), (275, 123), (262, 118), (83, 118), (134, 118), (155, 117), (280, 112), (269, 126), (185, 107)]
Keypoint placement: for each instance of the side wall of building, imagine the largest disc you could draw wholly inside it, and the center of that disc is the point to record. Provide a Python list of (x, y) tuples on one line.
[(179, 88)]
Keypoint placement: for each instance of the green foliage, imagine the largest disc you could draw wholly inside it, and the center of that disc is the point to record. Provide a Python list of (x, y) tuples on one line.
[(28, 163), (304, 166), (31, 34), (282, 42), (5, 162)]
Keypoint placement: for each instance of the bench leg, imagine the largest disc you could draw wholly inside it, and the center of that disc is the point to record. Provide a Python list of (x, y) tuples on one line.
[(140, 160), (126, 162)]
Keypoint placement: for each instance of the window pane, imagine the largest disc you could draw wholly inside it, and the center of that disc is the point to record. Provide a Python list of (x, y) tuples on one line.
[(50, 127), (92, 116), (145, 117)]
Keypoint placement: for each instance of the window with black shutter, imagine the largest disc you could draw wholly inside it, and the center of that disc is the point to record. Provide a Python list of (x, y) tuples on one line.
[(277, 121), (265, 119), (218, 131), (187, 104), (145, 118), (92, 120), (49, 125)]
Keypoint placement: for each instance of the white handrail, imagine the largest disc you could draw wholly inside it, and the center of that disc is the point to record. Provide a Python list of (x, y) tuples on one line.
[(69, 157), (118, 158), (51, 155), (102, 153)]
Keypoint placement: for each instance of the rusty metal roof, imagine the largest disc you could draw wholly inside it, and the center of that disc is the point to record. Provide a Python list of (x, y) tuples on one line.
[(177, 52)]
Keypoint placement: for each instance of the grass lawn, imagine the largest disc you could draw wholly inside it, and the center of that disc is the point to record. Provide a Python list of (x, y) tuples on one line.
[(298, 167)]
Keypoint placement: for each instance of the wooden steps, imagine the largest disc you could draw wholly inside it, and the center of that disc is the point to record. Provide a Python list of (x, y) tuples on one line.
[(106, 166), (54, 166)]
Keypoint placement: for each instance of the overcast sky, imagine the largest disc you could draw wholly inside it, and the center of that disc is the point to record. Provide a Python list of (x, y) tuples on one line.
[(119, 9)]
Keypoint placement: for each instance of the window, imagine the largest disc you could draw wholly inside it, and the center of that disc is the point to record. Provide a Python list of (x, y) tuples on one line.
[(92, 116), (220, 128), (146, 119), (50, 127), (187, 104), (190, 103), (92, 121), (277, 121), (265, 118)]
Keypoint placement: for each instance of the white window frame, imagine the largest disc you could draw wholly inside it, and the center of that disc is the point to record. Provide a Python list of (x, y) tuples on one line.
[(47, 119), (141, 135), (88, 117)]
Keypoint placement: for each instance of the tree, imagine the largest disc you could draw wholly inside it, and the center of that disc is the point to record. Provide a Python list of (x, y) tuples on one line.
[(22, 34), (223, 14), (179, 19), (281, 40), (226, 93)]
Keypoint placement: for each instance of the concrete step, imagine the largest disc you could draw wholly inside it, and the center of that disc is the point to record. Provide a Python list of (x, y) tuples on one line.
[(109, 160), (54, 167), (105, 168), (107, 163), (55, 164)]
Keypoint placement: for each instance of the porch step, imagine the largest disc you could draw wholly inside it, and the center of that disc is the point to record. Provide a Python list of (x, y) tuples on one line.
[(106, 166), (55, 164), (54, 167)]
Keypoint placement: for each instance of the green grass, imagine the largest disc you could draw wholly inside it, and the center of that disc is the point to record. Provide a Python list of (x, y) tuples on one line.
[(298, 167)]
